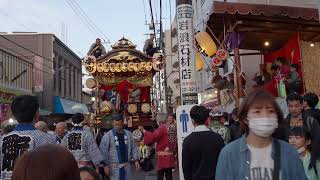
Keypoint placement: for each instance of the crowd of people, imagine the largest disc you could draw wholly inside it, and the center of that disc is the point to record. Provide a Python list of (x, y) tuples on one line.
[(32, 149), (253, 142)]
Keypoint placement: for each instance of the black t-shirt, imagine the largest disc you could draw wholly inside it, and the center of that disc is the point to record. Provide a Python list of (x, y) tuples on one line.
[(200, 154)]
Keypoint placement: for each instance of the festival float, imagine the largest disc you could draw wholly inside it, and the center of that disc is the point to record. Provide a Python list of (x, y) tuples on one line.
[(122, 79)]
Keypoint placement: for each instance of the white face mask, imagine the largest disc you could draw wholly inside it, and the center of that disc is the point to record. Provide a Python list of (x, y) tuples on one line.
[(301, 150), (263, 127)]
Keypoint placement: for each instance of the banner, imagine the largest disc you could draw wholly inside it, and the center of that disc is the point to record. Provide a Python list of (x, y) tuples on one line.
[(186, 54), (38, 74)]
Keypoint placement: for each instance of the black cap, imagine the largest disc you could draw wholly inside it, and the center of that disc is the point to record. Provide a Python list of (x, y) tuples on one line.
[(117, 117)]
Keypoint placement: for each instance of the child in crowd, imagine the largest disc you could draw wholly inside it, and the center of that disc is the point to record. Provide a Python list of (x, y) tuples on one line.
[(300, 138), (146, 155)]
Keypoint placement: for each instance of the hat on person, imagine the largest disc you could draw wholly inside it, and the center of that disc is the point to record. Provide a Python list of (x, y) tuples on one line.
[(117, 117)]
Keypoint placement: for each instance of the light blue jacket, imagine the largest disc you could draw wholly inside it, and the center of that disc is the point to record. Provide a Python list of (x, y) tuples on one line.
[(234, 162)]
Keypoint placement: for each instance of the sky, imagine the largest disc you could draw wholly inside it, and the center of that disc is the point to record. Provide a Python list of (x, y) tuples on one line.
[(115, 19)]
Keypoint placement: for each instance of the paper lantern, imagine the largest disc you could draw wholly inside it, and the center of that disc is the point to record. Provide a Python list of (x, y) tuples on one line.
[(132, 108), (145, 107), (199, 62), (216, 61), (91, 83), (156, 65), (205, 44), (222, 54)]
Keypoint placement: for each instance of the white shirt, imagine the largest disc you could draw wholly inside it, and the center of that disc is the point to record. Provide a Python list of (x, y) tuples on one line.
[(262, 164), (201, 128)]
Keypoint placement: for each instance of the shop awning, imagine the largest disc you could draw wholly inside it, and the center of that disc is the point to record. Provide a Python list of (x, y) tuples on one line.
[(69, 107), (259, 23)]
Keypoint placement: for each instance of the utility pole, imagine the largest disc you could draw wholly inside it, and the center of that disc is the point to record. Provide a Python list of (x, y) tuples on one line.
[(188, 83)]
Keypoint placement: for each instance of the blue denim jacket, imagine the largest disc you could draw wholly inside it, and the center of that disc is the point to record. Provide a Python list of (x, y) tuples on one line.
[(234, 162)]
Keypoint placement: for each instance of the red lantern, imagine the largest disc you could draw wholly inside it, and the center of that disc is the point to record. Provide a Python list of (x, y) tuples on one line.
[(222, 54), (216, 61)]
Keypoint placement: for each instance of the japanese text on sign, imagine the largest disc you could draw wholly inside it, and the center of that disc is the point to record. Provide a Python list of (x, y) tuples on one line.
[(186, 51)]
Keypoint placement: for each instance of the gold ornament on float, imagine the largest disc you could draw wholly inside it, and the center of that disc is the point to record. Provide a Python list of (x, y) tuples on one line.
[(100, 67), (130, 67), (112, 67), (205, 44), (148, 66), (106, 67), (106, 107), (142, 66), (136, 67), (118, 67), (124, 67)]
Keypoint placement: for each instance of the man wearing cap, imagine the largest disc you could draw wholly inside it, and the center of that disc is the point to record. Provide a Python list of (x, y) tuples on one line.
[(218, 122), (82, 144), (119, 150)]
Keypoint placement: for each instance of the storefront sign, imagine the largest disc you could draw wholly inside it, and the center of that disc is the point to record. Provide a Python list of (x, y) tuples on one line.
[(186, 55), (38, 74)]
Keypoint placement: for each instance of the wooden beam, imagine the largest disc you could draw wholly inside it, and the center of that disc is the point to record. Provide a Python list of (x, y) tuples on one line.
[(237, 80), (247, 54)]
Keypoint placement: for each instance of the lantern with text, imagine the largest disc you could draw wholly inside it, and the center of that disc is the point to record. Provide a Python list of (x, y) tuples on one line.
[(205, 44)]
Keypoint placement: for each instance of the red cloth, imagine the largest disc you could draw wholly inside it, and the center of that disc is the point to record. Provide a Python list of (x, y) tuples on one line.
[(123, 89), (161, 137), (145, 94), (271, 87)]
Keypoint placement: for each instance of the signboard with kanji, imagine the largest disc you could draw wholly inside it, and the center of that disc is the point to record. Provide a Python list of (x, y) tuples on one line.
[(186, 55)]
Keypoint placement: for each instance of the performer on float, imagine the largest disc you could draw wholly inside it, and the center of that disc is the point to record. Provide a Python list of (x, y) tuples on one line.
[(119, 150), (82, 144), (97, 49)]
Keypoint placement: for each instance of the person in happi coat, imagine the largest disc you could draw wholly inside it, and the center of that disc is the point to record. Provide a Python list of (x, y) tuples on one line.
[(82, 144), (164, 147), (119, 151), (24, 137)]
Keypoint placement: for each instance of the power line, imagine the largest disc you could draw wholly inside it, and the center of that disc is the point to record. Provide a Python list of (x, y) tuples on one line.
[(15, 20), (152, 20), (92, 22), (44, 58), (84, 21)]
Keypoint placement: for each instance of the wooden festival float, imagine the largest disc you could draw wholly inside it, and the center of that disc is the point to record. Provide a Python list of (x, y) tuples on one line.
[(122, 79)]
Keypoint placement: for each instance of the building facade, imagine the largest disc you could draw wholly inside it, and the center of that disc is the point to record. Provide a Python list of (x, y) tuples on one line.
[(15, 79), (57, 70)]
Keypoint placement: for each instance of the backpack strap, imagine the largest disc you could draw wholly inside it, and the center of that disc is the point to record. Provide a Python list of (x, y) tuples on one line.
[(277, 163)]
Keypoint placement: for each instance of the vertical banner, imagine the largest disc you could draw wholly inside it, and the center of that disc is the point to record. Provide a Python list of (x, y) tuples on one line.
[(184, 128), (186, 55), (38, 74)]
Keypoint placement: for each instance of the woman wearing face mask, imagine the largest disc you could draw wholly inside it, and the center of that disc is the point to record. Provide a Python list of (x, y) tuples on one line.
[(256, 155), (300, 138)]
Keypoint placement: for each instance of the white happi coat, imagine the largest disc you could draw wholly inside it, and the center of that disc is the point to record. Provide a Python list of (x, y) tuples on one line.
[(82, 145), (110, 154), (23, 138)]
